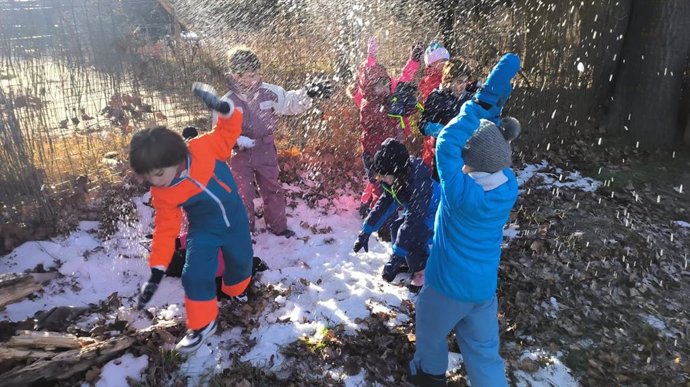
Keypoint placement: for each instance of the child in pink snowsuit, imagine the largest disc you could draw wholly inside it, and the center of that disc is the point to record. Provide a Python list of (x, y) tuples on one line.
[(255, 157), (373, 105)]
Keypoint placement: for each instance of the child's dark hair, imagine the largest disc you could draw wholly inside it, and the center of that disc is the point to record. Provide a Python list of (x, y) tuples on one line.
[(241, 60), (154, 148), (456, 68)]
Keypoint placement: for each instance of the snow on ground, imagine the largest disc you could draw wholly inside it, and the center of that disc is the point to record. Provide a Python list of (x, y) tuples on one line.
[(116, 372), (658, 324), (558, 178), (324, 283), (682, 223), (553, 374)]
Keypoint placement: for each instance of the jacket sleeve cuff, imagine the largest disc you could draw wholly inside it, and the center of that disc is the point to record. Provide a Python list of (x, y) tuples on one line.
[(399, 251), (367, 229)]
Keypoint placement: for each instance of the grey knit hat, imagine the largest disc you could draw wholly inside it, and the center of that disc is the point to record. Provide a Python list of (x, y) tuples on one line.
[(488, 150)]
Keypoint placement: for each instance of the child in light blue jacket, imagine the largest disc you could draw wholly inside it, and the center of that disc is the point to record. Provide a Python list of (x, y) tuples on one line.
[(478, 191)]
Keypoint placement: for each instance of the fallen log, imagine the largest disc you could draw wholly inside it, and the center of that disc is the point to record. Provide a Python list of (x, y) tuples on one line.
[(16, 354), (65, 364), (15, 286), (48, 340)]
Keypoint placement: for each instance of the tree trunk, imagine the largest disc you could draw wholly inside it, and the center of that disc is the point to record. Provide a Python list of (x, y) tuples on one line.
[(647, 94), (686, 137), (613, 23)]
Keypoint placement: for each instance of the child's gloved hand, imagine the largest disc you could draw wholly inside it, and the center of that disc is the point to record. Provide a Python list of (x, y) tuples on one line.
[(417, 52), (362, 242), (208, 94), (245, 142), (432, 129), (319, 88), (149, 288), (395, 265)]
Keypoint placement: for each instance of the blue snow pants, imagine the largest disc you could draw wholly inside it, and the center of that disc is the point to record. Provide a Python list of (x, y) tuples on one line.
[(476, 331)]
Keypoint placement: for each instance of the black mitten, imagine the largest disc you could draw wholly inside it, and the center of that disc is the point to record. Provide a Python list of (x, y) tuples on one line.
[(208, 94), (149, 288)]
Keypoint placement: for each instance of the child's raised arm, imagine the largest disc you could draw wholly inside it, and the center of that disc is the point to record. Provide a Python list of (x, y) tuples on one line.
[(412, 65), (449, 145), (228, 126), (487, 105), (291, 102)]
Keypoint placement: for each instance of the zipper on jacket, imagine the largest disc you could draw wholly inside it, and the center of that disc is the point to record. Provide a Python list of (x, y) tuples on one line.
[(214, 197)]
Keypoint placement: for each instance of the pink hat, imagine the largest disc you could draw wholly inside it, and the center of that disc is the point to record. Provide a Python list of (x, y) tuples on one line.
[(434, 53)]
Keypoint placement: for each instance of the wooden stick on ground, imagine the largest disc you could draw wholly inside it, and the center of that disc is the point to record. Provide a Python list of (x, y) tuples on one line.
[(47, 340), (15, 354), (15, 286), (65, 364)]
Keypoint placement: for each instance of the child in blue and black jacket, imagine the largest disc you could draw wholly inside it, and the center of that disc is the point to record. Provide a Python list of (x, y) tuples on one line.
[(444, 103), (406, 182), (478, 191)]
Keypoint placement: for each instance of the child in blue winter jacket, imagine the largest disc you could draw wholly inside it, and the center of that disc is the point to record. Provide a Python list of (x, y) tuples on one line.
[(478, 191), (406, 182)]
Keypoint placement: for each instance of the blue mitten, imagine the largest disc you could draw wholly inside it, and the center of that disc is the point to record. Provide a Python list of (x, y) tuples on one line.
[(497, 89)]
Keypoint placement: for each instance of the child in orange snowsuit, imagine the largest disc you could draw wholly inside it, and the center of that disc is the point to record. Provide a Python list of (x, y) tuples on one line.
[(195, 178)]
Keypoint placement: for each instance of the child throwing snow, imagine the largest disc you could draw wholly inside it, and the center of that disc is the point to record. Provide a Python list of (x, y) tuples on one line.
[(407, 183), (195, 178), (478, 191), (374, 87), (255, 157), (443, 104)]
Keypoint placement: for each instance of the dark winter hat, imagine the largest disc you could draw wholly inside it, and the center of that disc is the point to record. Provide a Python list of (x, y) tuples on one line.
[(391, 159), (497, 88), (241, 60), (488, 150)]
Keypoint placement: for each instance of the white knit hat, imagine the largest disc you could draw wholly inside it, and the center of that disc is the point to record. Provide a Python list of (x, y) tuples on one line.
[(434, 53)]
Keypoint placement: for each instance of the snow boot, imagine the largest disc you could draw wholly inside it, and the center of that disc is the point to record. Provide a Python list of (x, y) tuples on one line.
[(417, 282), (287, 233), (258, 265), (422, 379), (418, 279), (393, 267), (195, 338)]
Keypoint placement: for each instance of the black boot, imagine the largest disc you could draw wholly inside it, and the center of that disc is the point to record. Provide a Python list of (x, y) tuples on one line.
[(422, 379), (258, 265), (393, 267)]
